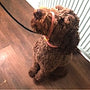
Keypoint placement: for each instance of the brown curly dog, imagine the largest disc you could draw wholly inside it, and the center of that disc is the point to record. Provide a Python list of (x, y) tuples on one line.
[(59, 29)]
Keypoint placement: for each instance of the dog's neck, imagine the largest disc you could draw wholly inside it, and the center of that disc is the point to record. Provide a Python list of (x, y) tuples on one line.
[(47, 38), (49, 44)]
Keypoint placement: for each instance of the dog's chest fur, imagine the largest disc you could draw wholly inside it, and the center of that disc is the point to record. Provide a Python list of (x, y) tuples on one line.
[(44, 54)]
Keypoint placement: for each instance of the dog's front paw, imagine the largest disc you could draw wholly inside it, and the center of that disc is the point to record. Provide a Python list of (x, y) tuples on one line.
[(32, 73), (37, 78)]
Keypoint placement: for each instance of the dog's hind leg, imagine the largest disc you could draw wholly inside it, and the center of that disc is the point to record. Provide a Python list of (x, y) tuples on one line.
[(34, 69)]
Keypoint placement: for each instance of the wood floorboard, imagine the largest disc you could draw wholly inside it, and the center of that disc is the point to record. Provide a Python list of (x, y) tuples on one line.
[(20, 9), (16, 54), (3, 41)]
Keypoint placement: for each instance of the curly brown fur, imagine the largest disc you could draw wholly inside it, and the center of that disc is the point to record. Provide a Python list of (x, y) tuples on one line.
[(64, 35)]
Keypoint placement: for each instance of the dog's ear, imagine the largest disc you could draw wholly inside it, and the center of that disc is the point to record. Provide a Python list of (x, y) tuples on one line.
[(70, 42), (69, 19)]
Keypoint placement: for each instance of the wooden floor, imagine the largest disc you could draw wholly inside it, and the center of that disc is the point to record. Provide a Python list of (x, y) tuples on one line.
[(16, 54)]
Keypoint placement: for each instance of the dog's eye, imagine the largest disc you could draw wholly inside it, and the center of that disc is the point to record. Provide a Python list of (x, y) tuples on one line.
[(61, 20), (38, 14)]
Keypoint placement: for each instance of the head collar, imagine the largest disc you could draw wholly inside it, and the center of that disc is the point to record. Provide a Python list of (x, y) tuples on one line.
[(46, 38)]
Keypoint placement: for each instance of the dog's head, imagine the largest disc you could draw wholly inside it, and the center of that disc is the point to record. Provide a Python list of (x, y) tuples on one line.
[(65, 19)]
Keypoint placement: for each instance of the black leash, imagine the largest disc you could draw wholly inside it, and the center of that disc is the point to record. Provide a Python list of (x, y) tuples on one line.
[(15, 19)]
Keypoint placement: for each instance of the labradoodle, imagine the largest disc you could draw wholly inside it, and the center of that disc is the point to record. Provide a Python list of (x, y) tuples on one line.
[(59, 30)]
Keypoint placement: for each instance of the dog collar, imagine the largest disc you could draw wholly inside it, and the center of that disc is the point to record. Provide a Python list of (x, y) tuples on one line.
[(46, 38), (52, 25), (49, 44)]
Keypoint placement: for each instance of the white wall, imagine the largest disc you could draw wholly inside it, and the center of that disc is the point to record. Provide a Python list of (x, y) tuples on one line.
[(34, 3)]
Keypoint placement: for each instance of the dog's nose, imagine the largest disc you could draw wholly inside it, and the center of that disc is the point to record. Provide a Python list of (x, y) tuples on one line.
[(38, 14)]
